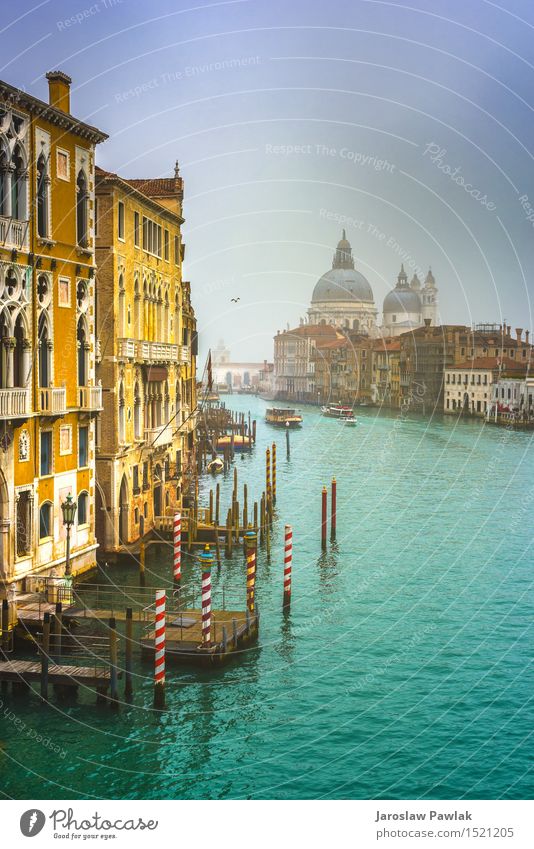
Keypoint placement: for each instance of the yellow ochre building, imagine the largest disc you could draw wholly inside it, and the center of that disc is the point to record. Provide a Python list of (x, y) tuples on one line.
[(49, 396), (147, 346)]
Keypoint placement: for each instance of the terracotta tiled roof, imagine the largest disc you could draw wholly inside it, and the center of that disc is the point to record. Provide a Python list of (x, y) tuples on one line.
[(312, 331), (161, 187)]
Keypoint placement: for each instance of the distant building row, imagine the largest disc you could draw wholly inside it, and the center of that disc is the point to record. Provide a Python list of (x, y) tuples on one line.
[(480, 371)]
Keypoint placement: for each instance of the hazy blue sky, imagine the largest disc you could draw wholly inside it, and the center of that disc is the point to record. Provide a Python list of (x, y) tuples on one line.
[(379, 98)]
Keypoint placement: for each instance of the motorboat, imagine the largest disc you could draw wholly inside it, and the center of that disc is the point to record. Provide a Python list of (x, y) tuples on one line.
[(350, 421), (281, 417), (337, 411)]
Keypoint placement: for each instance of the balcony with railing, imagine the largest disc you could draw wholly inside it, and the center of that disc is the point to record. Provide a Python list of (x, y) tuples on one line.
[(159, 436), (90, 398), (157, 352), (53, 401), (14, 403), (14, 234), (126, 349), (185, 354)]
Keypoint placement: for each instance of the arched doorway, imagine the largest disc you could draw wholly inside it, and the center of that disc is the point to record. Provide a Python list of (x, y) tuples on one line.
[(157, 491), (123, 511)]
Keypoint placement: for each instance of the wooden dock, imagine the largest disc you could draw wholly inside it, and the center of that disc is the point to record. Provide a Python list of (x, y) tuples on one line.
[(231, 632), (26, 671)]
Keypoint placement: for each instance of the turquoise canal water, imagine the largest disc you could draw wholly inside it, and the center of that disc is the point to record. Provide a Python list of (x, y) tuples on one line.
[(402, 671)]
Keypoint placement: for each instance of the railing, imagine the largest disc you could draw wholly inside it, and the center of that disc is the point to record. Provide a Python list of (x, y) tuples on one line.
[(90, 397), (53, 401), (14, 402), (185, 354), (13, 234), (160, 435), (159, 352), (126, 349)]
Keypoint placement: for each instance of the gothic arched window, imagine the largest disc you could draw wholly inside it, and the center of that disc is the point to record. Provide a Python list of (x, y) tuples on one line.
[(42, 197), (82, 204)]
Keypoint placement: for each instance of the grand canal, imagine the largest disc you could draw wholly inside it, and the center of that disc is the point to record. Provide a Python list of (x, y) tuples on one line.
[(402, 671)]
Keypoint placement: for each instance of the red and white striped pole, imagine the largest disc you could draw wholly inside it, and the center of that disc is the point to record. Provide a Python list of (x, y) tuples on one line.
[(177, 537), (159, 651), (288, 562), (206, 562), (251, 544)]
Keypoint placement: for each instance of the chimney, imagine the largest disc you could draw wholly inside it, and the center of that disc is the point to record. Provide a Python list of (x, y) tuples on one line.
[(509, 330), (518, 333), (527, 334), (428, 322), (59, 90)]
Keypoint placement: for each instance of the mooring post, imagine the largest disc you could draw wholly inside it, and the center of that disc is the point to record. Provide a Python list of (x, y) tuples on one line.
[(256, 516), (142, 563), (267, 476), (177, 546), (58, 626), (254, 430), (288, 562), (128, 648), (234, 632), (210, 512), (288, 446), (114, 679), (262, 517), (324, 511), (245, 506), (5, 626), (251, 542), (224, 639), (228, 546), (234, 493), (268, 542), (206, 564), (274, 471), (45, 656), (333, 508), (159, 651), (217, 502), (247, 620)]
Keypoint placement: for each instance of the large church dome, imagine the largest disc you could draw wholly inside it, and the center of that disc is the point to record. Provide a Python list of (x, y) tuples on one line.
[(343, 282)]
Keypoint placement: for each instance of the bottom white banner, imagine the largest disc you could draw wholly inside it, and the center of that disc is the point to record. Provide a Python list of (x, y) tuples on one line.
[(227, 825)]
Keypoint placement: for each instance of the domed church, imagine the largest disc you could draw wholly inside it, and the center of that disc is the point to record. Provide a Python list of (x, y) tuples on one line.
[(408, 305), (343, 298)]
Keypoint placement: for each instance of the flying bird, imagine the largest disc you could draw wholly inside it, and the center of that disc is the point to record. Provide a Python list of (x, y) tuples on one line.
[(235, 300)]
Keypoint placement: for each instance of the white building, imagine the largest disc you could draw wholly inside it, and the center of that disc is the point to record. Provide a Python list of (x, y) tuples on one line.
[(468, 386), (473, 386), (407, 305), (513, 395), (343, 298)]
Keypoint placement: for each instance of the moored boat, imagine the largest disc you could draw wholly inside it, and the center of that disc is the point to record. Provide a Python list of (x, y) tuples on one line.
[(281, 417), (350, 421), (215, 466)]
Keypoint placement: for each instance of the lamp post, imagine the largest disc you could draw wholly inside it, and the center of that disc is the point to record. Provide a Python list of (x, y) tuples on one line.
[(68, 508)]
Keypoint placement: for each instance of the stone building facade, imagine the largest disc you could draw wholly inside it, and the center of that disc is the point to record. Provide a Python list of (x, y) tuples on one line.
[(49, 395), (147, 357)]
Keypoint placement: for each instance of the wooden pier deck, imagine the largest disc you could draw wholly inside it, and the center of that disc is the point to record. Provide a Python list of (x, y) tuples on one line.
[(26, 671), (183, 636)]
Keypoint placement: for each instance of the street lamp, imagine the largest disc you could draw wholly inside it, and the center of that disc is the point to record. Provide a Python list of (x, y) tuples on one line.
[(68, 508)]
